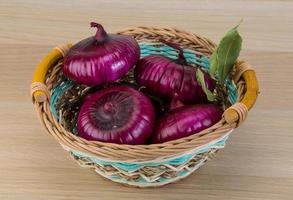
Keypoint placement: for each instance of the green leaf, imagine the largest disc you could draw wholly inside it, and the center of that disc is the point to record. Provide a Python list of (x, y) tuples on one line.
[(213, 64), (200, 79), (226, 54)]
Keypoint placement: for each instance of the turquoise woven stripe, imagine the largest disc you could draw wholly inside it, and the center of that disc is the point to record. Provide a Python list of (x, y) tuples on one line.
[(164, 50), (56, 93), (233, 94), (133, 166)]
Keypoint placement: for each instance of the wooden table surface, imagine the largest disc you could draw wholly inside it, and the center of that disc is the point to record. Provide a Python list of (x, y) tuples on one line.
[(257, 162)]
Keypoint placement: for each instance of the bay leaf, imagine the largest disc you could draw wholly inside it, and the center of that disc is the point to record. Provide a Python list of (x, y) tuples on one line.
[(200, 79), (214, 64), (226, 54)]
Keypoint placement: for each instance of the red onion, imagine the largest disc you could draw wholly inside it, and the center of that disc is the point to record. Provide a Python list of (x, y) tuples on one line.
[(102, 58), (118, 114), (184, 121), (165, 77)]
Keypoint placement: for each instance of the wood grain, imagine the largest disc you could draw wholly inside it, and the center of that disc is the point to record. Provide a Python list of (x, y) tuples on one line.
[(257, 162)]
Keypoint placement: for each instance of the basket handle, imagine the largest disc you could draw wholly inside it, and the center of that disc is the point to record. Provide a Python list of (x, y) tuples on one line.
[(238, 111), (39, 90)]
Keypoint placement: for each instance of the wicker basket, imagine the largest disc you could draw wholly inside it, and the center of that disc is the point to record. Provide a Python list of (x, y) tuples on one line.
[(155, 164)]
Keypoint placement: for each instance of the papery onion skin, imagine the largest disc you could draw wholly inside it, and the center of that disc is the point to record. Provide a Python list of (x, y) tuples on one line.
[(102, 58), (165, 77), (118, 114), (185, 121)]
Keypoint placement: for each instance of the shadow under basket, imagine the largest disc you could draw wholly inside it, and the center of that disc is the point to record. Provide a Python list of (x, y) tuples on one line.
[(144, 165)]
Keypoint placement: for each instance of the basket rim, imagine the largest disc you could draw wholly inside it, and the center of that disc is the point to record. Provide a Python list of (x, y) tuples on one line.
[(152, 151)]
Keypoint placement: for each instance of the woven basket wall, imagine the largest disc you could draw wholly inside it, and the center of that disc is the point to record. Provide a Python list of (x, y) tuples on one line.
[(155, 164)]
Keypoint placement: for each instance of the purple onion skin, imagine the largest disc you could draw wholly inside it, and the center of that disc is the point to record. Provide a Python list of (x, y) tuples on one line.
[(118, 114), (185, 121), (102, 58), (164, 77)]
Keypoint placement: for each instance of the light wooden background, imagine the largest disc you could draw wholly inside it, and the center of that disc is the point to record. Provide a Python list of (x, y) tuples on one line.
[(258, 160)]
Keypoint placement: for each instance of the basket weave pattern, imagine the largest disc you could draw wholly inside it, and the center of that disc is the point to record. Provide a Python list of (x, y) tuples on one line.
[(155, 164)]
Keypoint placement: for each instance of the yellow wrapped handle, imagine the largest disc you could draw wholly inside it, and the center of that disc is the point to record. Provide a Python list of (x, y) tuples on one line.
[(238, 111), (38, 89)]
